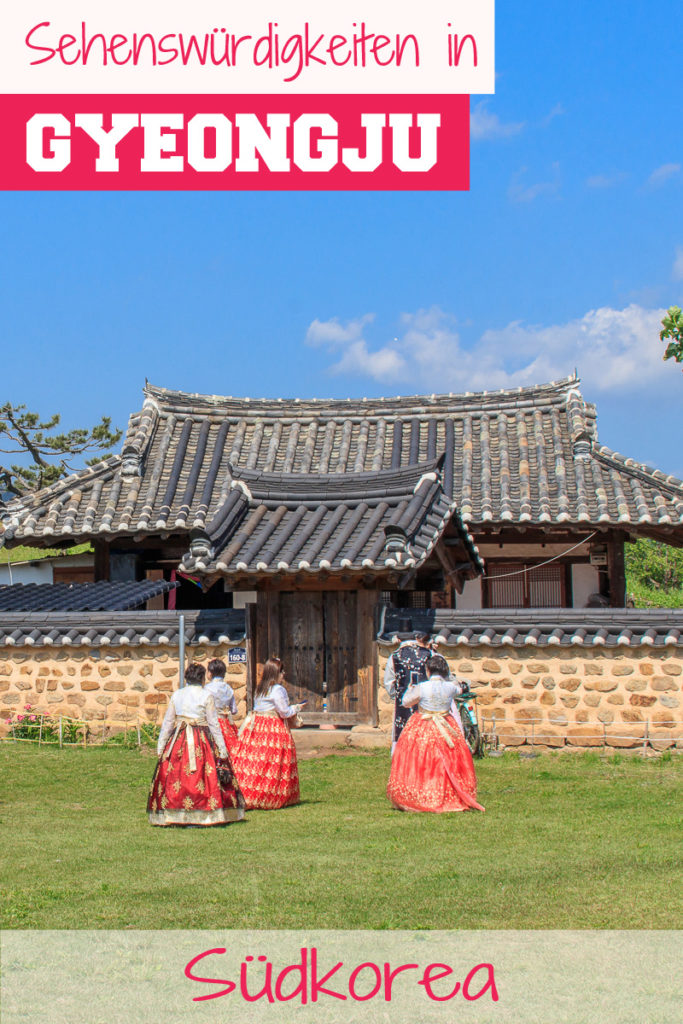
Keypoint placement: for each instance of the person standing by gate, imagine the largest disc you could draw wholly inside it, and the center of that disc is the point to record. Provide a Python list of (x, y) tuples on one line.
[(405, 667), (265, 756)]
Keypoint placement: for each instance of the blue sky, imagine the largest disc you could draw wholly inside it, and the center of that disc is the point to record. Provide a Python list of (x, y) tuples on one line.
[(563, 254)]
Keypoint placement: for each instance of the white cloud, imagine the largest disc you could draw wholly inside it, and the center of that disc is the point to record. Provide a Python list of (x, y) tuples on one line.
[(385, 364), (557, 111), (614, 350), (677, 270), (520, 192), (605, 180), (485, 125), (662, 174), (334, 333)]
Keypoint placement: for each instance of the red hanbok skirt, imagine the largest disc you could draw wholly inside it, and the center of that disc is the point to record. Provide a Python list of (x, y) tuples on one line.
[(229, 732), (186, 789), (432, 767), (264, 761)]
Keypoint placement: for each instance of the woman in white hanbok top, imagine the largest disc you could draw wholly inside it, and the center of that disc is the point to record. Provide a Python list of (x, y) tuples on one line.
[(265, 756), (432, 767), (193, 783), (224, 699)]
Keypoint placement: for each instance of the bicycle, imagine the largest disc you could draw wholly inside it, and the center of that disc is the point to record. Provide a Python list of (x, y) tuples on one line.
[(466, 705)]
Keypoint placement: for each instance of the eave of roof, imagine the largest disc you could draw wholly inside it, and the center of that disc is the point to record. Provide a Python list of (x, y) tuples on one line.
[(381, 522)]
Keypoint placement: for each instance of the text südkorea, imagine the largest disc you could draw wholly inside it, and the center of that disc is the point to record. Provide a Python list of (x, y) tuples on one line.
[(312, 978), (245, 142)]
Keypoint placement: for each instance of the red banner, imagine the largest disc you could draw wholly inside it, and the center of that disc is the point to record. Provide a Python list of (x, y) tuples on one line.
[(235, 143)]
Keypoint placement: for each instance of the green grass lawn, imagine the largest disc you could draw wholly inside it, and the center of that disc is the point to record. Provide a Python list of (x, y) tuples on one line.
[(566, 842)]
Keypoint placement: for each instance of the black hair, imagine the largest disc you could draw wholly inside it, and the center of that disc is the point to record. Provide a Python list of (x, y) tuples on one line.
[(195, 674), (437, 666), (216, 667)]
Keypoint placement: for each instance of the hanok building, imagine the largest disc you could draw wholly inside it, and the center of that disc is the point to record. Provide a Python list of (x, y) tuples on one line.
[(313, 516)]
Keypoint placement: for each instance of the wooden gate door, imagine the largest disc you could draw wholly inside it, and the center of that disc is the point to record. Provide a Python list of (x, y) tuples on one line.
[(302, 647), (341, 655), (325, 640)]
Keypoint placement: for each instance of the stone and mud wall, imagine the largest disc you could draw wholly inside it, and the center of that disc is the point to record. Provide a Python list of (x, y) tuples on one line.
[(545, 697), (549, 697), (125, 685)]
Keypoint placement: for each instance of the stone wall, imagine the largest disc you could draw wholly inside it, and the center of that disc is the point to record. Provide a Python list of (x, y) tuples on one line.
[(128, 684), (549, 697), (555, 697)]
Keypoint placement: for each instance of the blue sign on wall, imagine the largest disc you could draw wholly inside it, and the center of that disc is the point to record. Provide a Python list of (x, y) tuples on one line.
[(236, 654)]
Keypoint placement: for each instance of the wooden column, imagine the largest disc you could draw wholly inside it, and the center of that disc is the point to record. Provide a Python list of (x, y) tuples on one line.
[(101, 560), (616, 571), (155, 604), (366, 653), (252, 661)]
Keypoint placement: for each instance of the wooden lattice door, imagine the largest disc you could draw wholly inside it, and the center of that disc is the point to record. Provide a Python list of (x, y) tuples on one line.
[(325, 642)]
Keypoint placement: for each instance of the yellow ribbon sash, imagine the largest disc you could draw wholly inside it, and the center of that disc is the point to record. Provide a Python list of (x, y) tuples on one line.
[(445, 730)]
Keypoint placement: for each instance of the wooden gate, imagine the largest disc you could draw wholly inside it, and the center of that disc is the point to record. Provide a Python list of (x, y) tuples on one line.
[(325, 640)]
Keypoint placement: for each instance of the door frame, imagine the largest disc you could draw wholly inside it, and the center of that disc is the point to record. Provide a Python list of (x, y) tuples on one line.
[(263, 639)]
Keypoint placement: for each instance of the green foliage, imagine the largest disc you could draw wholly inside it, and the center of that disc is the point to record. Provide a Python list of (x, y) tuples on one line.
[(566, 842), (654, 574), (672, 331), (652, 597), (128, 737), (47, 453), (22, 553), (41, 726)]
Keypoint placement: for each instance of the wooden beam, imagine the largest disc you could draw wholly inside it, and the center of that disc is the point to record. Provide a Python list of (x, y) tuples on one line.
[(450, 567), (616, 571), (332, 718)]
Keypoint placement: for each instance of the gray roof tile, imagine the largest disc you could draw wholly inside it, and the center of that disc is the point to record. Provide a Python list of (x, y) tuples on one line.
[(551, 627), (80, 597), (120, 629), (530, 455)]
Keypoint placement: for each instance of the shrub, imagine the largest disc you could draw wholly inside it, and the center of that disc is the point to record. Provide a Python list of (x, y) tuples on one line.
[(32, 724), (654, 574)]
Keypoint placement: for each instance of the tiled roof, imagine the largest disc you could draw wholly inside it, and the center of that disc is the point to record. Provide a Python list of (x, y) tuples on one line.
[(120, 629), (80, 597), (551, 627), (277, 522), (511, 457)]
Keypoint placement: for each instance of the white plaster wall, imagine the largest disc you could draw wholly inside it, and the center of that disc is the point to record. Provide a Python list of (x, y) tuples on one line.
[(75, 561), (41, 571), (241, 598), (470, 599), (585, 581), (25, 572)]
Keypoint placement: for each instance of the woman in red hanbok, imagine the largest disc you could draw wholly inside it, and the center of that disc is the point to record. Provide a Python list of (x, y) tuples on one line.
[(193, 783), (224, 699), (265, 756), (432, 767)]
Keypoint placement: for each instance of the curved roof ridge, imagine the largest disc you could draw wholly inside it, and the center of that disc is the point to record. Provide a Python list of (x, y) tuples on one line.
[(170, 397), (411, 471), (641, 469)]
